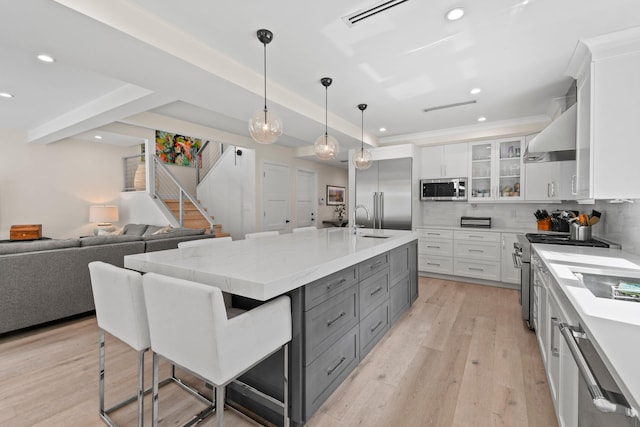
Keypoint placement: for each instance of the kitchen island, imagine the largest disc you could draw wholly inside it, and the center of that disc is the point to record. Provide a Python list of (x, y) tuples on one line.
[(346, 291)]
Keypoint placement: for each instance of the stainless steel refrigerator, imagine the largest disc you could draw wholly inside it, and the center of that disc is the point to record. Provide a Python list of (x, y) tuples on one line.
[(385, 190)]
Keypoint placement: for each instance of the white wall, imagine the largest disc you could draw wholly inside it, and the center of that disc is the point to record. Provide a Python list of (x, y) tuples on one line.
[(228, 192), (55, 184)]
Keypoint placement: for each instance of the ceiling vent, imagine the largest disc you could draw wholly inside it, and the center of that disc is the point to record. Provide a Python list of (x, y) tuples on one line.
[(442, 107), (356, 17)]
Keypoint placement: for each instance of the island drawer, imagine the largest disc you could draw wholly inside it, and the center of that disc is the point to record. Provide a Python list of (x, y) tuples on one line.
[(373, 291), (373, 265), (373, 327), (399, 263), (330, 370), (399, 297), (323, 289), (327, 322)]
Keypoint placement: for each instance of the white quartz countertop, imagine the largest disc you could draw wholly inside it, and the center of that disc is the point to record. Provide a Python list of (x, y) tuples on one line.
[(613, 325), (266, 267)]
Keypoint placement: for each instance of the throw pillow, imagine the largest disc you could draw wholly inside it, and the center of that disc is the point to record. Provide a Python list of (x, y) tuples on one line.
[(163, 230)]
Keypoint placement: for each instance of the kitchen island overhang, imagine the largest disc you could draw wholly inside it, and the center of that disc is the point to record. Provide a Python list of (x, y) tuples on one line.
[(346, 292)]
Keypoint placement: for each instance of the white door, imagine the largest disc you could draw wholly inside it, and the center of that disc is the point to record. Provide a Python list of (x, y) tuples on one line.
[(275, 197), (306, 196)]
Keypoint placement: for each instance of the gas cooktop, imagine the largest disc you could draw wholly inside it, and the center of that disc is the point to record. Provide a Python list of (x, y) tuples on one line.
[(564, 239)]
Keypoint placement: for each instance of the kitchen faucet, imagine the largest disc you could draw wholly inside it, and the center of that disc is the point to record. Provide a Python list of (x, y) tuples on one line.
[(355, 227)]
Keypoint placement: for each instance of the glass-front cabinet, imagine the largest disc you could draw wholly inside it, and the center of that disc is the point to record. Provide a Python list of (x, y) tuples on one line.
[(496, 168)]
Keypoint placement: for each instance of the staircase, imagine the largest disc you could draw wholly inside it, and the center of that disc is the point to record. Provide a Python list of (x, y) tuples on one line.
[(192, 217)]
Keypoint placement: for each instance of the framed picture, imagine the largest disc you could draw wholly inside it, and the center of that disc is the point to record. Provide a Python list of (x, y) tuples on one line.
[(336, 195)]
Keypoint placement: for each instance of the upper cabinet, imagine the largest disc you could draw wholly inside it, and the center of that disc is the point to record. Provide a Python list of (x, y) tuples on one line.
[(444, 161), (608, 82), (550, 181), (495, 170)]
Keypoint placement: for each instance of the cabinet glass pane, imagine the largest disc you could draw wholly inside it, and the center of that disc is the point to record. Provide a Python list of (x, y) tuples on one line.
[(481, 168), (509, 168)]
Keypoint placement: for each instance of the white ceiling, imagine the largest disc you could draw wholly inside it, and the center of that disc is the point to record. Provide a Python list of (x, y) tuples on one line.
[(200, 61)]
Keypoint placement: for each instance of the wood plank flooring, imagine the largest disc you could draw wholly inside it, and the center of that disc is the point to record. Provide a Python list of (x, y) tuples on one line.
[(461, 356)]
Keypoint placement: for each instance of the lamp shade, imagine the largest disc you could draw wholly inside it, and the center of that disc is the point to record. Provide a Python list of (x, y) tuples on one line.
[(103, 214)]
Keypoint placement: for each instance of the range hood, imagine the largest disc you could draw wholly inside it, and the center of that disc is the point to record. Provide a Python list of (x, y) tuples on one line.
[(556, 142)]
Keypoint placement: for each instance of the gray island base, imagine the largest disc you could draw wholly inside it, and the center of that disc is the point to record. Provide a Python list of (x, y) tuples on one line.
[(346, 292)]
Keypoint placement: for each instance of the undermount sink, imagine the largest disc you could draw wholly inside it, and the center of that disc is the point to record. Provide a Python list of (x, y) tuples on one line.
[(605, 286), (374, 236)]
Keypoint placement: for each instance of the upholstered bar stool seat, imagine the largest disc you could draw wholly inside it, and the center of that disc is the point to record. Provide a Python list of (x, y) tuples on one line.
[(189, 327)]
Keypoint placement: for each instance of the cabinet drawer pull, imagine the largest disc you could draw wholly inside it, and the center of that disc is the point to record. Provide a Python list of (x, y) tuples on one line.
[(434, 247), (433, 263), (376, 290), (433, 234), (476, 250), (331, 322), (375, 264), (332, 370), (476, 269), (376, 326), (475, 237), (339, 282)]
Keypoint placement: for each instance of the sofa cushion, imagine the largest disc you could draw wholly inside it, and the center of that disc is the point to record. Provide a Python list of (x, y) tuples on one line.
[(135, 229), (37, 245), (105, 240), (176, 232)]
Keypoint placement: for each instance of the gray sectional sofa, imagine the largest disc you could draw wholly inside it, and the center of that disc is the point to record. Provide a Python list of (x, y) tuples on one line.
[(47, 280)]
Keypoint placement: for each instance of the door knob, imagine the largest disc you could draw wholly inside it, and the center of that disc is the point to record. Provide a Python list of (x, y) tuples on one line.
[(287, 221)]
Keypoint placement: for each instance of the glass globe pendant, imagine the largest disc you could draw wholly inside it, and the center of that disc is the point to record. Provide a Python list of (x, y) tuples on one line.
[(265, 127), (362, 158), (326, 147)]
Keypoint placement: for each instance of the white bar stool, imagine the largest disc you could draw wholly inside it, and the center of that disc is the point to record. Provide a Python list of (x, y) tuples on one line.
[(189, 327), (259, 234), (302, 229), (121, 311)]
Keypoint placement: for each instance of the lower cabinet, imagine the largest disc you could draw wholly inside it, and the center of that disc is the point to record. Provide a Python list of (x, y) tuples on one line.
[(347, 313)]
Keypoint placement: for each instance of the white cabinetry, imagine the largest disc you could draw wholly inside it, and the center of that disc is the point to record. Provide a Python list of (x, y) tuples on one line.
[(444, 161), (476, 254), (435, 250), (495, 170), (509, 273), (550, 181), (608, 82), (560, 366)]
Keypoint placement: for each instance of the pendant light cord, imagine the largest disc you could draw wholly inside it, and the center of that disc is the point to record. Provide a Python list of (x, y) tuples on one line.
[(326, 108), (362, 137), (265, 82)]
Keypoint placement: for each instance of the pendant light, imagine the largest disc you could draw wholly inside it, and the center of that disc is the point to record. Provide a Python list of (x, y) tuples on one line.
[(326, 146), (265, 127), (362, 158)]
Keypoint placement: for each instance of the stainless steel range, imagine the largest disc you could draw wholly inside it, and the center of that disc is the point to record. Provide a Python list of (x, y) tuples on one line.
[(522, 260)]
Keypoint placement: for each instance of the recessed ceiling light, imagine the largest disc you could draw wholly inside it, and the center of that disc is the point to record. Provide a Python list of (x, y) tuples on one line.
[(482, 119), (383, 129), (45, 58), (98, 137), (455, 14), (475, 91), (6, 95)]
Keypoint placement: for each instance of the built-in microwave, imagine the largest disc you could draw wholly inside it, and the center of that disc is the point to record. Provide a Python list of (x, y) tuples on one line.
[(443, 189)]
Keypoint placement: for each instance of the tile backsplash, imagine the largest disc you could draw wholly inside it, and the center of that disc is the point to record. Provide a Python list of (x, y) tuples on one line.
[(620, 222)]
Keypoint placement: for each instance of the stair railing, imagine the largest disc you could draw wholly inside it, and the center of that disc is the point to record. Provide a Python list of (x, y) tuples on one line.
[(166, 187), (206, 157)]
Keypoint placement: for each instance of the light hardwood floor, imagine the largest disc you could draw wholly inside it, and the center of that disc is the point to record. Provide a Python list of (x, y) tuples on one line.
[(461, 356)]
